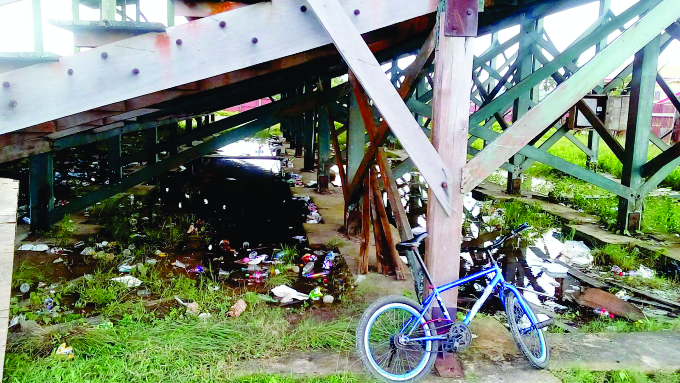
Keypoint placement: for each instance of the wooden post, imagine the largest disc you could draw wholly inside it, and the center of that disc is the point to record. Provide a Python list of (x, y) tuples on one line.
[(356, 133), (637, 133), (593, 136), (381, 220), (41, 188), (522, 103), (365, 227), (108, 11), (37, 26), (451, 108), (9, 193), (113, 158), (324, 168), (174, 133), (151, 141), (309, 134), (171, 13)]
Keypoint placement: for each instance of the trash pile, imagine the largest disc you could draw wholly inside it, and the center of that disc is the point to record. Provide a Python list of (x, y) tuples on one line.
[(312, 214), (293, 179)]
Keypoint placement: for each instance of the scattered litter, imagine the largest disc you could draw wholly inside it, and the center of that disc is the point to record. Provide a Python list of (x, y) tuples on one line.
[(308, 268), (204, 316), (296, 269), (237, 309), (24, 288), (29, 247), (56, 251), (129, 280), (288, 294), (358, 279), (58, 260), (143, 293), (125, 268), (79, 244), (64, 352), (622, 294), (576, 253), (88, 251), (179, 264), (257, 260), (315, 294), (644, 272), (328, 299), (151, 261), (555, 270), (197, 270)]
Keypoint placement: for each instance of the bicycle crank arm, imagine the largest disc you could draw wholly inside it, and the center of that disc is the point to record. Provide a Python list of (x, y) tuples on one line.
[(538, 326)]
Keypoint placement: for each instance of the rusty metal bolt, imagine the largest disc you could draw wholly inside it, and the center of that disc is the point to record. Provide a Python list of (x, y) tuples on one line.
[(357, 12), (135, 71), (178, 41), (303, 8), (469, 12), (223, 24), (13, 103), (445, 185), (105, 55), (70, 72), (254, 40), (5, 84)]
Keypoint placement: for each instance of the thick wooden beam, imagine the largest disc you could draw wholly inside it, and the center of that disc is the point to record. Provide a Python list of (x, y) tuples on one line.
[(637, 133), (365, 227), (324, 142), (385, 226), (661, 160), (335, 20), (568, 93), (451, 109)]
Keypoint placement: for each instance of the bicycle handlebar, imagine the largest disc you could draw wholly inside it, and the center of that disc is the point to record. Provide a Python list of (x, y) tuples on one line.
[(498, 242)]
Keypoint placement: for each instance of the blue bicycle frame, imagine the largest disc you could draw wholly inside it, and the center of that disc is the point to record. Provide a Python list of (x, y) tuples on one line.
[(497, 281)]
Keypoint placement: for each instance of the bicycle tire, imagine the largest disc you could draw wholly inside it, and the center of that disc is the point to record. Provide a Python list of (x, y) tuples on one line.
[(511, 310), (368, 318)]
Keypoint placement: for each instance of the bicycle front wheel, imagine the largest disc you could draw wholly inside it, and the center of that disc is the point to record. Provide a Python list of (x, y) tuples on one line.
[(529, 339), (381, 343)]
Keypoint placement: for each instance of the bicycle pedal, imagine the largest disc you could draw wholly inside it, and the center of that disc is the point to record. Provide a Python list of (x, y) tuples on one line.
[(458, 338), (544, 324)]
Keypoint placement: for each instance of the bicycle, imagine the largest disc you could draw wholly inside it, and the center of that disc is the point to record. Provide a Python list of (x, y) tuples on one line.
[(397, 340)]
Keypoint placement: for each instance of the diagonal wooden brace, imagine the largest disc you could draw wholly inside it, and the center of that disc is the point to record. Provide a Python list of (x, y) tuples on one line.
[(361, 61)]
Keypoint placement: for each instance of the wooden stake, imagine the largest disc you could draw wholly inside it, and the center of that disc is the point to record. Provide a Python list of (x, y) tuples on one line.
[(384, 223), (365, 227)]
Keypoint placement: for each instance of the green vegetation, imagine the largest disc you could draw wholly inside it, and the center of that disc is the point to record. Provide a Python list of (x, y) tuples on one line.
[(626, 258), (335, 244), (585, 376), (269, 133), (265, 378), (622, 325)]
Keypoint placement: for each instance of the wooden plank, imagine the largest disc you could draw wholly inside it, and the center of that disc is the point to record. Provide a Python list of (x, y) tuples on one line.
[(359, 58), (568, 93), (598, 299), (378, 236), (365, 227), (645, 294), (574, 272), (385, 226), (9, 194), (47, 93)]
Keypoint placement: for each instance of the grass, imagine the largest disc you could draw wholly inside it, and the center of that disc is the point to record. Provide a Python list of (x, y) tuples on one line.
[(335, 244), (624, 257), (585, 376), (25, 273), (269, 133), (621, 325), (268, 378)]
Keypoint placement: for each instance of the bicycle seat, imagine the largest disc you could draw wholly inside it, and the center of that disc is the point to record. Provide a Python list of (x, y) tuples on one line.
[(411, 243)]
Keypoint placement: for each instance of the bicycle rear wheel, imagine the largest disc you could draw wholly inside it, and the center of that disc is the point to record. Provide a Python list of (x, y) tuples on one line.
[(381, 345), (530, 340)]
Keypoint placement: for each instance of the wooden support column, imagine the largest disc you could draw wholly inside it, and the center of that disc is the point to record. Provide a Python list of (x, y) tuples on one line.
[(113, 158), (593, 136), (324, 169), (298, 125), (151, 141), (37, 26), (41, 188), (108, 10), (9, 195), (309, 134), (451, 108), (356, 132), (522, 103), (637, 133), (171, 13), (174, 133)]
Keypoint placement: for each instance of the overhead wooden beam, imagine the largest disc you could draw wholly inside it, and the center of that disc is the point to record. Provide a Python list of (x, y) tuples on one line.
[(335, 20), (45, 92), (568, 93)]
